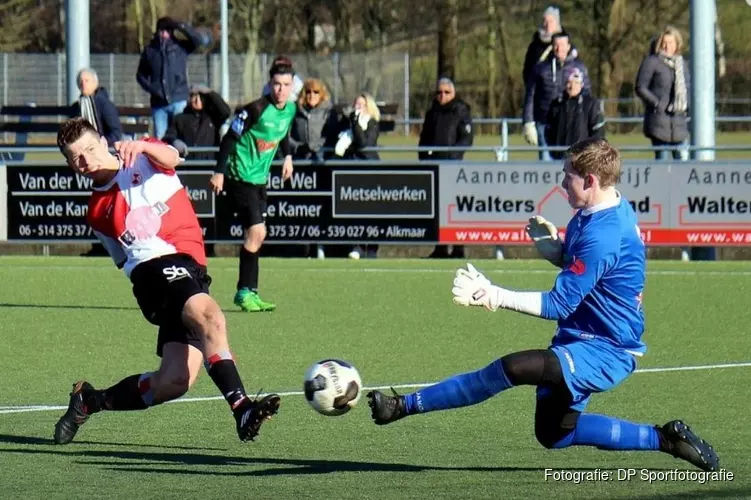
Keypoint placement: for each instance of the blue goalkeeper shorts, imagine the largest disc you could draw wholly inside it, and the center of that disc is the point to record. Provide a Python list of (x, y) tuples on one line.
[(589, 367)]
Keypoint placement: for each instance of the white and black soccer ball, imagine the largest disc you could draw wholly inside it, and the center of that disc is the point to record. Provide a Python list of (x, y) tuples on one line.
[(332, 387)]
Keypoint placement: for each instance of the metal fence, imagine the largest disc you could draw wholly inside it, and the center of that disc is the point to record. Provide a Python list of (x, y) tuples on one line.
[(41, 78)]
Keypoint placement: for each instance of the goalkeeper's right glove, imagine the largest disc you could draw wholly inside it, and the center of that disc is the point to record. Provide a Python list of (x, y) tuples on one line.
[(545, 237)]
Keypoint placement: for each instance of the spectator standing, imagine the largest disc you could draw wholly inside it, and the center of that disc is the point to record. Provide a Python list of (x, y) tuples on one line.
[(546, 84), (447, 123), (96, 106), (315, 127), (162, 69), (574, 116), (316, 122), (541, 46), (663, 84), (200, 123), (360, 131)]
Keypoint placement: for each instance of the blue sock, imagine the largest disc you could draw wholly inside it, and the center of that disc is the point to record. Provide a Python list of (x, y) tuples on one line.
[(460, 390), (608, 433)]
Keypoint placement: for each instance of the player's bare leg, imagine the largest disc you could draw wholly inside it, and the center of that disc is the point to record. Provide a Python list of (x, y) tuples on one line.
[(178, 371), (247, 297), (203, 315)]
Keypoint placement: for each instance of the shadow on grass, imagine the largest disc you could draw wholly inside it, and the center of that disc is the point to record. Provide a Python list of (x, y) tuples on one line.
[(63, 306), (32, 440), (160, 462), (714, 494)]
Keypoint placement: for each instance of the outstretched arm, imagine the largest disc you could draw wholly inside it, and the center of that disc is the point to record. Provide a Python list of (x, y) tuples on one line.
[(574, 282)]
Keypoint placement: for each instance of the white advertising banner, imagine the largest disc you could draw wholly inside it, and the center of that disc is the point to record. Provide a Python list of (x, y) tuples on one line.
[(689, 203)]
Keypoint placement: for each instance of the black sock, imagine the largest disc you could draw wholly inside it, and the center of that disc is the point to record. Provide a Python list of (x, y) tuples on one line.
[(243, 280), (131, 393), (223, 372), (253, 272), (248, 270)]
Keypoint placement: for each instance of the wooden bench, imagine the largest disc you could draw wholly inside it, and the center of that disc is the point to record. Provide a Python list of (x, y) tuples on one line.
[(32, 119)]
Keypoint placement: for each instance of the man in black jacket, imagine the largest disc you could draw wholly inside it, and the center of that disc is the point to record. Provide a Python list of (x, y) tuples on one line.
[(200, 123), (574, 116), (447, 123), (162, 70)]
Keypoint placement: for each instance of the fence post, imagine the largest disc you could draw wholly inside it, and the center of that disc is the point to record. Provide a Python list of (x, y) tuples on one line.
[(5, 88), (5, 79), (112, 75), (335, 61), (501, 154), (59, 79), (406, 93)]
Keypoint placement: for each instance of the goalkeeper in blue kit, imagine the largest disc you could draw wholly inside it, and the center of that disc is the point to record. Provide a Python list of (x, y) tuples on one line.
[(597, 302)]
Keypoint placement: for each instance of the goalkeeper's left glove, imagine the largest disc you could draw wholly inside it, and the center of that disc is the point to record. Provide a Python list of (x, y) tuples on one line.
[(472, 288)]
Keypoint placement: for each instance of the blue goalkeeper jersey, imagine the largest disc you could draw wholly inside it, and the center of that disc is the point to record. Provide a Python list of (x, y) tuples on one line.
[(598, 294)]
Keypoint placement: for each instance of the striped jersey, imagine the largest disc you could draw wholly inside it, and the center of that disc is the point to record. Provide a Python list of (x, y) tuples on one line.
[(143, 213)]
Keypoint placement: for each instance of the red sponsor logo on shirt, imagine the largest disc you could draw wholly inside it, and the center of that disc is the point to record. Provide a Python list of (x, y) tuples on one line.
[(577, 267), (263, 146)]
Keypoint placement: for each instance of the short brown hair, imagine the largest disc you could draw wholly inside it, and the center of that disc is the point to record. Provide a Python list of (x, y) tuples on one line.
[(72, 130), (597, 157)]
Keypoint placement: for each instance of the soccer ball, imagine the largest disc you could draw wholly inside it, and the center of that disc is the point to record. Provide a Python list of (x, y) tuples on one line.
[(332, 387)]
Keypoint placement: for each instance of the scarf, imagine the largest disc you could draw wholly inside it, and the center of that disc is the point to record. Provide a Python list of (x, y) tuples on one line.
[(680, 95), (88, 111)]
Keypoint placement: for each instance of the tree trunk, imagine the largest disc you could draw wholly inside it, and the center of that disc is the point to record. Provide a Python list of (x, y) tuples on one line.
[(512, 101), (448, 37), (492, 57), (139, 24), (253, 81)]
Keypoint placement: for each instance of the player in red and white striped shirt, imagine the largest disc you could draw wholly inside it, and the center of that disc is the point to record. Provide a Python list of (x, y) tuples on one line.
[(142, 214)]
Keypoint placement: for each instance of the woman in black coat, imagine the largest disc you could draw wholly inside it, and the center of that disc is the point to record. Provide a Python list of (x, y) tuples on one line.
[(663, 84)]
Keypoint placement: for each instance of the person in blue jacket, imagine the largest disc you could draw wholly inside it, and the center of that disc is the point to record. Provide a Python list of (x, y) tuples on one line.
[(162, 69), (597, 302)]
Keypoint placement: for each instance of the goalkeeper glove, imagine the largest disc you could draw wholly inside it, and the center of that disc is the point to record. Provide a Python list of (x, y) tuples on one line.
[(529, 132), (545, 237), (472, 288)]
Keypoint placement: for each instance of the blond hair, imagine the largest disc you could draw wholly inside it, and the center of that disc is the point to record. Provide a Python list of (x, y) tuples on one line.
[(314, 84), (670, 31), (597, 157), (371, 106)]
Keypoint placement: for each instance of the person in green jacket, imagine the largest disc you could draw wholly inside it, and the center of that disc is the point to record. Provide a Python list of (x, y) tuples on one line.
[(242, 171)]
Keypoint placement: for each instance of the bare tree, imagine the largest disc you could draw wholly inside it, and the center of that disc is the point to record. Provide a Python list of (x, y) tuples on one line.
[(448, 37), (492, 55), (15, 18), (245, 34)]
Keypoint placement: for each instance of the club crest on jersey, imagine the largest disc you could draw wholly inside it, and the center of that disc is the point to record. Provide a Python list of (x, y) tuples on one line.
[(238, 124), (577, 266), (143, 223), (136, 179)]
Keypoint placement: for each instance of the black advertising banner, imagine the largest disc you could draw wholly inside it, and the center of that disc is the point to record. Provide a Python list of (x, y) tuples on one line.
[(323, 203)]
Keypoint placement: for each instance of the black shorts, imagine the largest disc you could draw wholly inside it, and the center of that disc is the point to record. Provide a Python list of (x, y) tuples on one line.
[(248, 200), (161, 287)]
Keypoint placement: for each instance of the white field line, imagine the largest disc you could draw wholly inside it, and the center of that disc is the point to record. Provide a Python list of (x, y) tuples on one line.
[(35, 408)]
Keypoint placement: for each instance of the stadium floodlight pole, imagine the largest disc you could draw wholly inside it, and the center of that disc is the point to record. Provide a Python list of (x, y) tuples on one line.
[(76, 43), (225, 49), (703, 19)]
